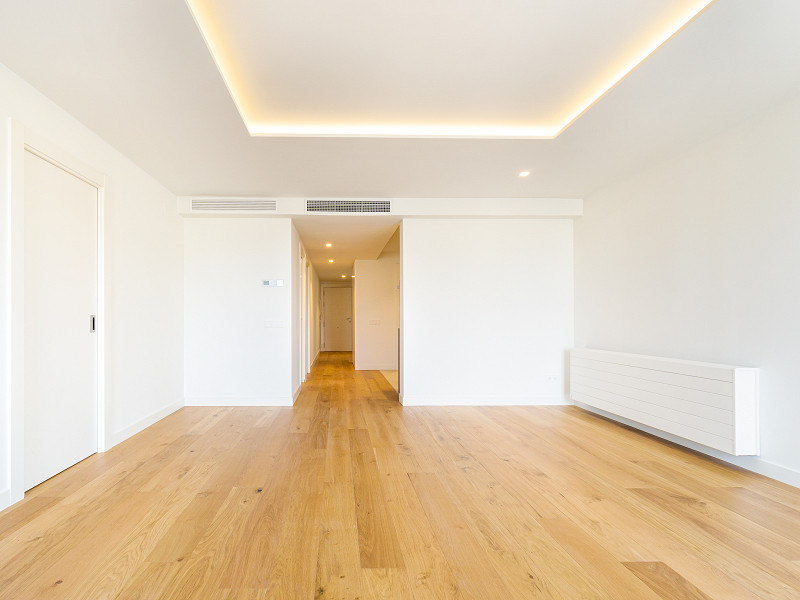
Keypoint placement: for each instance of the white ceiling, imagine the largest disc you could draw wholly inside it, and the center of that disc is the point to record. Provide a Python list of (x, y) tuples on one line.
[(141, 75)]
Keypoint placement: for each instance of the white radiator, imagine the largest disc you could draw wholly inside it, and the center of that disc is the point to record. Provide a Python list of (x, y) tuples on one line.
[(713, 405)]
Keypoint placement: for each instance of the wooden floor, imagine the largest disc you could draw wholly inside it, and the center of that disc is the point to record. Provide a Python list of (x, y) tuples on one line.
[(349, 495)]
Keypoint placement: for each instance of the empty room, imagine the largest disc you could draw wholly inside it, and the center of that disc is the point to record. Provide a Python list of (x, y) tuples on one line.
[(399, 300)]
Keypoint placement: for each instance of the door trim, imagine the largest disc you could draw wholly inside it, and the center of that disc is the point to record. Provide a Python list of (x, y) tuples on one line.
[(24, 140)]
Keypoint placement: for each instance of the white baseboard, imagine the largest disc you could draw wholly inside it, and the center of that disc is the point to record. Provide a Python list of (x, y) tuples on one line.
[(756, 464), (407, 400), (296, 394), (256, 401), (5, 499), (376, 367), (141, 425)]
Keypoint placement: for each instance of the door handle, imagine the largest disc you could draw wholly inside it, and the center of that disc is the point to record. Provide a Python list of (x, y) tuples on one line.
[(92, 323)]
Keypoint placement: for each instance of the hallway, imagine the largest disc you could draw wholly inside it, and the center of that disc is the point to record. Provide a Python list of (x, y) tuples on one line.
[(349, 495)]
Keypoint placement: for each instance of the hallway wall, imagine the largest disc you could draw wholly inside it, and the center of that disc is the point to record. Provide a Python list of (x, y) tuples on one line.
[(375, 314)]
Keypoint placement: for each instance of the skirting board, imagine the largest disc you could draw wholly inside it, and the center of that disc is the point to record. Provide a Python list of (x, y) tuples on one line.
[(406, 400), (257, 401), (749, 463), (5, 499), (131, 430), (376, 367)]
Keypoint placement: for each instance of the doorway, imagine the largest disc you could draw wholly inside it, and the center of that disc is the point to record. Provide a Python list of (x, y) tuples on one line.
[(60, 318), (337, 318)]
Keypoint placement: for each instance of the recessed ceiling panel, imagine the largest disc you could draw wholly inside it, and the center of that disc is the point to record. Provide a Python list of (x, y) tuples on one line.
[(461, 68)]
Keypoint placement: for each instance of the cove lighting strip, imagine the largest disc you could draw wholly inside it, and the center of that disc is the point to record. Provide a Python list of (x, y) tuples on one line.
[(232, 78)]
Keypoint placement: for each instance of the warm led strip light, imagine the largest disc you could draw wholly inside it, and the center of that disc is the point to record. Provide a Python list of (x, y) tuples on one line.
[(399, 131), (213, 39)]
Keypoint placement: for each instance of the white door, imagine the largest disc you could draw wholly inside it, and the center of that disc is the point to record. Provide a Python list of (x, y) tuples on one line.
[(60, 297), (337, 309)]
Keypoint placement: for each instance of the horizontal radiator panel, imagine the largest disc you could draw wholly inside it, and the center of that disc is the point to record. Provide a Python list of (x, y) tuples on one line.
[(713, 405)]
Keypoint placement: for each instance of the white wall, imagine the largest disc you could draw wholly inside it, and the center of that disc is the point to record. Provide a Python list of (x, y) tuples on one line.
[(143, 284), (375, 314), (238, 333), (698, 258), (487, 310), (144, 305)]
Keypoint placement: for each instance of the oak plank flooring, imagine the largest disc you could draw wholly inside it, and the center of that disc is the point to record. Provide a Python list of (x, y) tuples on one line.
[(349, 495), (662, 579), (20, 514), (461, 545), (377, 540), (339, 564)]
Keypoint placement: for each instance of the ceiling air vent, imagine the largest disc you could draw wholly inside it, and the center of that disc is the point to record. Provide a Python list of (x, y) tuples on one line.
[(349, 206), (235, 204)]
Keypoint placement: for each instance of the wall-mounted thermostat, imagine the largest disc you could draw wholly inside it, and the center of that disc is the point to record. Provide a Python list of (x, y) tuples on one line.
[(272, 282)]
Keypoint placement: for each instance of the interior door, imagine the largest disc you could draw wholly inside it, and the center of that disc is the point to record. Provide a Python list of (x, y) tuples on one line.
[(60, 298), (337, 308)]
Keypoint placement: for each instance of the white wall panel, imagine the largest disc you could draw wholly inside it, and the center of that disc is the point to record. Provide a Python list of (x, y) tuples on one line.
[(486, 310), (239, 333)]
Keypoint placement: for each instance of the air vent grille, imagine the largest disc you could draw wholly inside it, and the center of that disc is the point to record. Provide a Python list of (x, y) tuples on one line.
[(236, 204), (349, 206)]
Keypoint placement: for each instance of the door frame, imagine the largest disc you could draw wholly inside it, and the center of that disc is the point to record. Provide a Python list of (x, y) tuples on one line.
[(23, 140), (303, 313), (307, 320)]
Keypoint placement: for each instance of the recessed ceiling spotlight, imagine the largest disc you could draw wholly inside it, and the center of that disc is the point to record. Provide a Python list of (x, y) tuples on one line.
[(330, 260), (343, 276), (328, 245), (524, 173), (352, 275)]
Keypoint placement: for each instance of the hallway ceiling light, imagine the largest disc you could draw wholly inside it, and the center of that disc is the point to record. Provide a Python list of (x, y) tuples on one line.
[(328, 245), (524, 173), (343, 276), (330, 260)]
